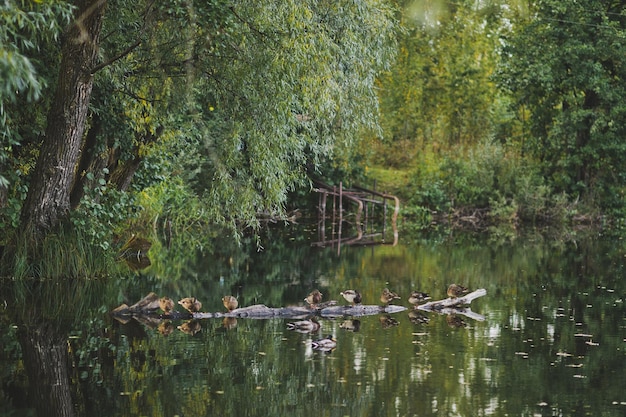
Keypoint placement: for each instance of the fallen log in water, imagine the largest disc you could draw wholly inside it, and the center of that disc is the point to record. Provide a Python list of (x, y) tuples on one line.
[(452, 302), (148, 306)]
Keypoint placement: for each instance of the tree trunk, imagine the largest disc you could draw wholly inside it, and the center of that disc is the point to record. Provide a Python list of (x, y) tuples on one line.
[(46, 360), (48, 199)]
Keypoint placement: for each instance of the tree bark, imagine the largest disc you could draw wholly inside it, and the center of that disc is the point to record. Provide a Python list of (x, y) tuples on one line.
[(48, 199), (46, 360)]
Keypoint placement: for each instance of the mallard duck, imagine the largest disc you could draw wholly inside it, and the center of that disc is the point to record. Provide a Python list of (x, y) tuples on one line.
[(352, 325), (166, 304), (325, 345), (191, 327), (314, 298), (230, 302), (304, 326), (455, 290), (387, 296), (352, 296), (191, 304), (417, 297)]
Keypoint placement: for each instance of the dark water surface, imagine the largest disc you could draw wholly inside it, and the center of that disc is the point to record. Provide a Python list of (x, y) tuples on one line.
[(552, 342)]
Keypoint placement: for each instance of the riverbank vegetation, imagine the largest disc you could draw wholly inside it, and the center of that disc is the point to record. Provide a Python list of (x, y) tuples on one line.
[(178, 119)]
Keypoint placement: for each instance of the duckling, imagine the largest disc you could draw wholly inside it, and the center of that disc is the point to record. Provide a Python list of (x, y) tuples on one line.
[(455, 290), (304, 326), (352, 296), (166, 305), (191, 304), (325, 345), (387, 296), (352, 325), (191, 327), (417, 296), (230, 302), (314, 298)]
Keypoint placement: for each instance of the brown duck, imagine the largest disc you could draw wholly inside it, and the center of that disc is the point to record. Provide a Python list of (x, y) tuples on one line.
[(388, 296), (455, 290), (314, 298), (230, 302), (166, 304), (191, 304), (417, 297)]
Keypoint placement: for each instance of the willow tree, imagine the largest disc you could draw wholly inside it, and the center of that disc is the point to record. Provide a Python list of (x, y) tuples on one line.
[(244, 95)]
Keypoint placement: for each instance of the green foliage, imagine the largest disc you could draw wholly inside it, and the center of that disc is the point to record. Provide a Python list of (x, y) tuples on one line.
[(27, 28), (565, 67)]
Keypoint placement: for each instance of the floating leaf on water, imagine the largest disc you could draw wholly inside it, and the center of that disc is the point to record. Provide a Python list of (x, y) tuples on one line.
[(219, 392)]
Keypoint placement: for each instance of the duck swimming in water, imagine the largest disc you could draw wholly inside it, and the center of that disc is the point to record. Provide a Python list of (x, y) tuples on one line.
[(387, 296), (455, 290), (230, 302), (352, 296), (191, 304)]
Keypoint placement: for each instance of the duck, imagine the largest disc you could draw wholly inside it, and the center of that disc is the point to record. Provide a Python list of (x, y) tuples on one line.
[(352, 296), (455, 321), (387, 321), (230, 302), (314, 298), (455, 290), (191, 304), (417, 297), (191, 327), (325, 345), (351, 325), (166, 304), (388, 296), (304, 326)]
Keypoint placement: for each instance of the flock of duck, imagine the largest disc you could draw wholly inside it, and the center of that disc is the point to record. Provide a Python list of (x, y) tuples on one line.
[(314, 299)]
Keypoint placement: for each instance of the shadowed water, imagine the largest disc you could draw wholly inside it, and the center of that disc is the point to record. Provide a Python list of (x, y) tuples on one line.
[(552, 343)]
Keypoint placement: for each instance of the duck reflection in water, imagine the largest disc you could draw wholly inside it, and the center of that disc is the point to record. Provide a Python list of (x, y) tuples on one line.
[(417, 317), (386, 321), (166, 327), (190, 327), (304, 326), (353, 325), (455, 321), (229, 323), (326, 345)]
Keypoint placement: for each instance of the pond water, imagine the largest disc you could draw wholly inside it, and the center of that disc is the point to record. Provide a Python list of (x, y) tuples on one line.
[(552, 342)]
